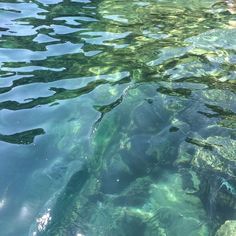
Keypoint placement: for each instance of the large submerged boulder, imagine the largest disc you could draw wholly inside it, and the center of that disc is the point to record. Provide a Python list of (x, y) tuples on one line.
[(227, 229), (214, 160)]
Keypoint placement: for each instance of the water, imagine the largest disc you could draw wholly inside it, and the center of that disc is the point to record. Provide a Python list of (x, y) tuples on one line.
[(117, 117)]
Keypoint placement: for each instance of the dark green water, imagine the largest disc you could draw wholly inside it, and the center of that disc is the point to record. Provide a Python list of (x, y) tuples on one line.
[(117, 118)]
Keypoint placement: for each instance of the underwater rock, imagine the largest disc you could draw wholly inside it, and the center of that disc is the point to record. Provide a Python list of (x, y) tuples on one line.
[(135, 194), (177, 212), (190, 183), (227, 229), (116, 176), (219, 102), (136, 225), (214, 160), (193, 118), (185, 155), (216, 154), (218, 195), (149, 119), (215, 130), (164, 146), (104, 219), (66, 208), (137, 157), (225, 198)]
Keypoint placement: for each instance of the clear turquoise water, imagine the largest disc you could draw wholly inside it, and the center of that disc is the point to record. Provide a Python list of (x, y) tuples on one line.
[(117, 117)]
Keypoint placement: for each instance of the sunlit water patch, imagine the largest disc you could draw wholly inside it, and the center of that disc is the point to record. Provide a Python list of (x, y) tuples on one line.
[(117, 118)]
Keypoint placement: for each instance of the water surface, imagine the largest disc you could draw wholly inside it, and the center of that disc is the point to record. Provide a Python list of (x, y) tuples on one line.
[(117, 117)]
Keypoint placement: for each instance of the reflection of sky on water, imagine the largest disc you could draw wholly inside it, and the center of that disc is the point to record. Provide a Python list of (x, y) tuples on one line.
[(25, 55), (11, 13)]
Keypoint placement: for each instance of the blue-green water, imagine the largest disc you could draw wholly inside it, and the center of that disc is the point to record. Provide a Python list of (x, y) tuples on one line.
[(117, 118)]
